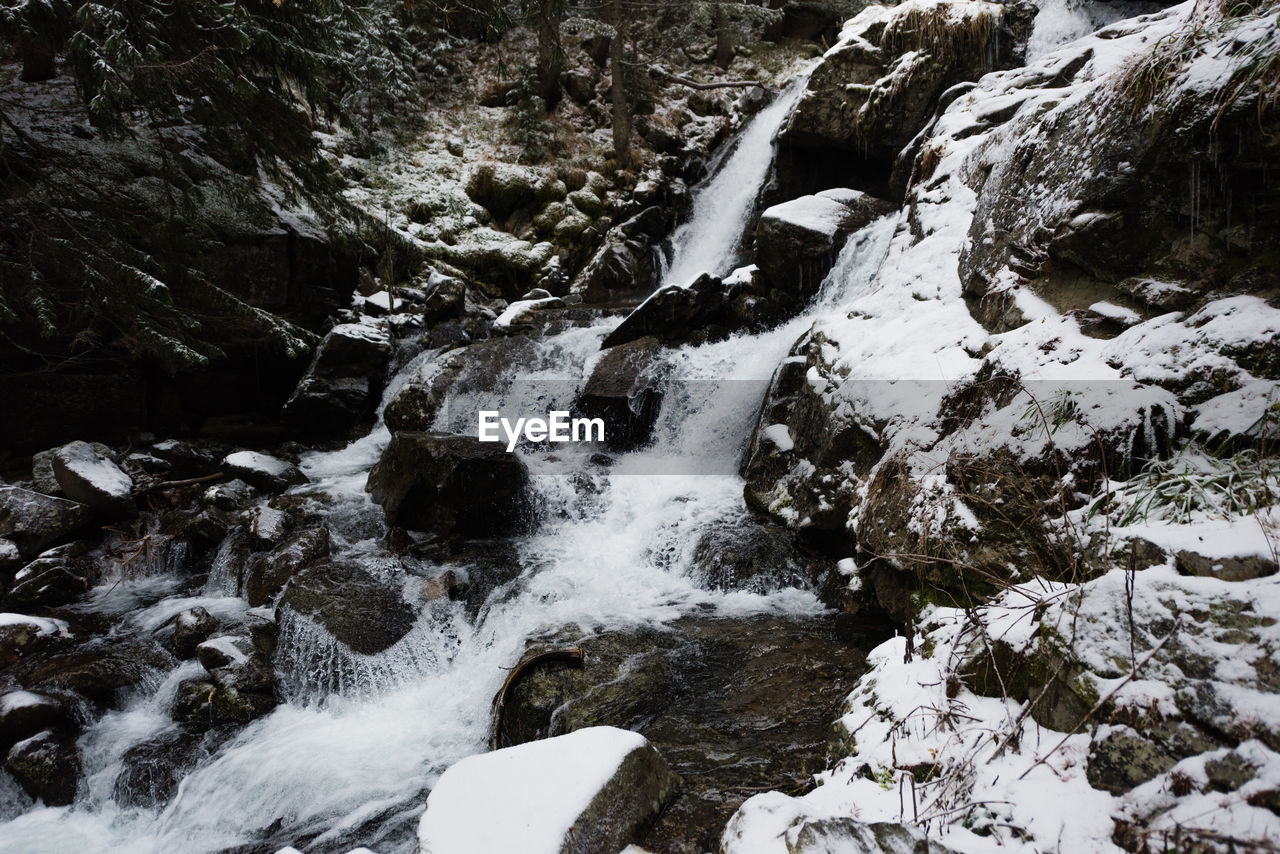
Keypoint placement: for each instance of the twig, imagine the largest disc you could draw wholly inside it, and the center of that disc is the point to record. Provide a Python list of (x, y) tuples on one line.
[(174, 484), (724, 84)]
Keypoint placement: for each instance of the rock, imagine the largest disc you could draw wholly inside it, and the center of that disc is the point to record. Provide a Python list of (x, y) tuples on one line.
[(90, 477), (42, 474), (21, 635), (850, 836), (879, 86), (1122, 760), (736, 705), (23, 714), (266, 574), (343, 384), (151, 771), (10, 557), (47, 766), (505, 189), (797, 241), (580, 86), (358, 609), (232, 495), (624, 390), (187, 459), (445, 299), (33, 522), (744, 554), (50, 580), (583, 793), (622, 266), (223, 651), (708, 309), (267, 525), (522, 315), (803, 19), (94, 671), (1228, 773), (1228, 568), (264, 471), (202, 704), (190, 629), (453, 486)]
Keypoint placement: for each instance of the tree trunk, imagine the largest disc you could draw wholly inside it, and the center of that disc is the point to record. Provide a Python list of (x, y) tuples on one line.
[(550, 54), (621, 110), (724, 38), (38, 62)]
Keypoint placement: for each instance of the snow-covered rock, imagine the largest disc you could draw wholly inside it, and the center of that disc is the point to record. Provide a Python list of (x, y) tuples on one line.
[(33, 521), (343, 383), (264, 471), (797, 241), (582, 793), (90, 477)]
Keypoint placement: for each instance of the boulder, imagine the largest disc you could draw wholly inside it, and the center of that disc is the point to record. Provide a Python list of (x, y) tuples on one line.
[(453, 486), (505, 189), (582, 793), (360, 610), (1242, 567), (190, 629), (42, 474), (850, 836), (150, 771), (745, 554), (58, 577), (90, 477), (343, 384), (797, 241), (47, 766), (624, 390), (708, 309), (23, 714), (202, 704), (267, 574), (264, 471), (445, 299), (33, 522), (1122, 760), (10, 557), (94, 671), (21, 635), (622, 266)]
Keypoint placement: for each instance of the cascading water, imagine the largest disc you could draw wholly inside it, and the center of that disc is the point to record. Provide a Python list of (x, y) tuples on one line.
[(708, 242), (349, 759)]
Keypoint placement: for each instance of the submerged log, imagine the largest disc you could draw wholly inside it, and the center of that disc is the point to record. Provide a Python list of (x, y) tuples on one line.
[(569, 655)]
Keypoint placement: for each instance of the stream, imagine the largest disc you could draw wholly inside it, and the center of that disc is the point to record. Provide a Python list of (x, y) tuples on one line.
[(348, 759)]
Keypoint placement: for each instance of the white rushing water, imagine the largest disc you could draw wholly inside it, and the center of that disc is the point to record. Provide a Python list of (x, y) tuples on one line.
[(337, 768), (708, 242)]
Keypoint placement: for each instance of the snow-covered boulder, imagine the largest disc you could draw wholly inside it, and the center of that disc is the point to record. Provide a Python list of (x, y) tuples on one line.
[(797, 241), (449, 485), (343, 383), (582, 793), (33, 521), (264, 471), (90, 477)]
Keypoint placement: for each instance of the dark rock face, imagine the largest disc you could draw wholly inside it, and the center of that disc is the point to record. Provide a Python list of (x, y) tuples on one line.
[(361, 611), (709, 309), (453, 486), (735, 705), (47, 766), (803, 19), (55, 578), (266, 574), (504, 189), (96, 671), (150, 771), (342, 386), (23, 714), (33, 522), (622, 266), (625, 392), (744, 554), (797, 241), (871, 95), (190, 629)]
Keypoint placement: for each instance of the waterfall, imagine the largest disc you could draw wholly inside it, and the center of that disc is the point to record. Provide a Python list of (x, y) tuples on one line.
[(349, 759), (708, 242)]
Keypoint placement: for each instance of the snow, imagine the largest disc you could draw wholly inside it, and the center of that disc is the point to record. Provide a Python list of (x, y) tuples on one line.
[(44, 626), (1212, 538), (15, 700), (520, 311), (258, 462), (1118, 313), (523, 798), (780, 436), (100, 473), (818, 214)]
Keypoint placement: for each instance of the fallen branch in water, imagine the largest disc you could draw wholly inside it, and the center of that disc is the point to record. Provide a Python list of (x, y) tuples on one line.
[(569, 655), (174, 484)]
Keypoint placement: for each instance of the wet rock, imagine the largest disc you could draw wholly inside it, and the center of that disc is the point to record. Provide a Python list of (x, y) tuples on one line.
[(850, 836), (343, 384), (90, 477), (706, 310), (622, 266), (48, 767), (97, 671), (797, 241), (445, 299), (188, 459), (223, 651), (601, 783), (735, 705), (268, 473), (747, 555), (151, 771), (23, 714), (266, 574), (21, 635), (33, 522), (232, 495), (267, 525), (190, 629), (1123, 760), (357, 608), (625, 391), (10, 557), (202, 704), (55, 578), (453, 486), (1229, 568)]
